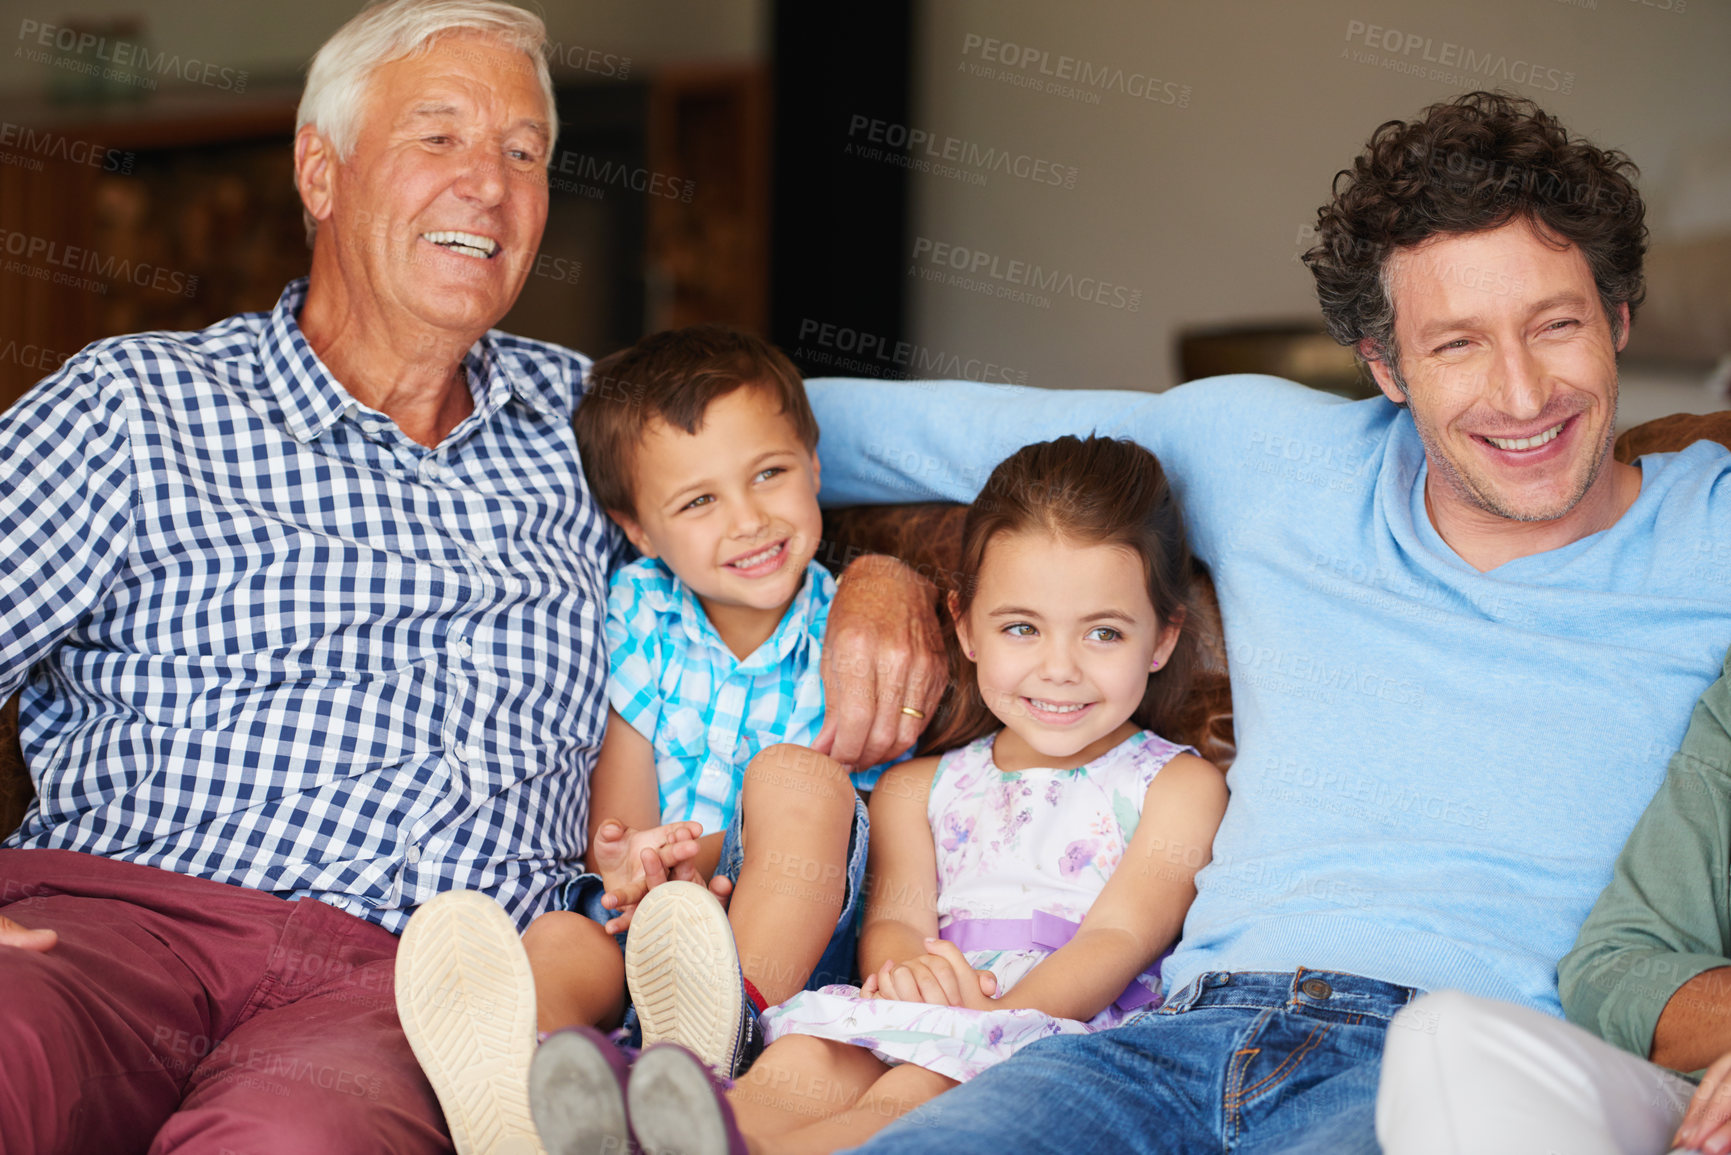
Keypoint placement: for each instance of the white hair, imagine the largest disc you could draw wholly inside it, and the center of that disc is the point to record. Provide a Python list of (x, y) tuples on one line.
[(390, 30)]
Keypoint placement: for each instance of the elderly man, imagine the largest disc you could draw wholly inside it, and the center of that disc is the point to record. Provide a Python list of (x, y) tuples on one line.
[(307, 610), (1462, 638)]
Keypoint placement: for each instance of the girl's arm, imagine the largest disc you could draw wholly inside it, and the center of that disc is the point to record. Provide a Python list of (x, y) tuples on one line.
[(1141, 910), (902, 864)]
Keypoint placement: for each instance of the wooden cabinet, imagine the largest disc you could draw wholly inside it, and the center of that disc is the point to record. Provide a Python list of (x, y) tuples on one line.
[(166, 215), (709, 246), (181, 210)]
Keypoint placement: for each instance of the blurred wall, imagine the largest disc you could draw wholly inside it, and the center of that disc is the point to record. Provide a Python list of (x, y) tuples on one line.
[(1177, 153), (275, 40)]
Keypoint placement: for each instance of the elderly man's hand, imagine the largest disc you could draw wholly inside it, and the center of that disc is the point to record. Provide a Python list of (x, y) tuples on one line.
[(11, 934), (883, 651)]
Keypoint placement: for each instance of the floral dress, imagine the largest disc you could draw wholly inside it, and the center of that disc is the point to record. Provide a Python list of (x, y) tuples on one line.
[(1029, 850)]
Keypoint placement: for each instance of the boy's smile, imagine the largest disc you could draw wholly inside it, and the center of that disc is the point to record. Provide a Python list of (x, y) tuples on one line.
[(731, 509), (760, 562)]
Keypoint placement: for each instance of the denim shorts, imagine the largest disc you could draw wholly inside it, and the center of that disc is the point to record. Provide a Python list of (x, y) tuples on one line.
[(840, 960)]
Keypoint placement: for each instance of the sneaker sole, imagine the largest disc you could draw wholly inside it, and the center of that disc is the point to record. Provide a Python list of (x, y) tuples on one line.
[(466, 1000), (578, 1104), (676, 1108), (683, 972)]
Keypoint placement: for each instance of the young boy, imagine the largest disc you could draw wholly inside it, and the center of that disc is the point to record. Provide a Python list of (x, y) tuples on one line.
[(700, 444)]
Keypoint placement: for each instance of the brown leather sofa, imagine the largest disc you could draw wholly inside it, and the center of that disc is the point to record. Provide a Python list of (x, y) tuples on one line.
[(928, 538)]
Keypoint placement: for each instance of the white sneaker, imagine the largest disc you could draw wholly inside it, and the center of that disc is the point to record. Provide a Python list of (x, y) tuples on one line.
[(467, 1003), (683, 971)]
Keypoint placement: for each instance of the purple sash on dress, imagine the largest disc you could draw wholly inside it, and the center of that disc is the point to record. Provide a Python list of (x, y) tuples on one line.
[(1045, 931)]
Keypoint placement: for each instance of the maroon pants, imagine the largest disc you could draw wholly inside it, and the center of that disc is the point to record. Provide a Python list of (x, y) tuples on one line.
[(179, 1014)]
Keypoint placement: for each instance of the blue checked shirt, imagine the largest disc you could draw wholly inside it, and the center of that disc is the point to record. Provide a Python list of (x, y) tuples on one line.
[(266, 639), (706, 712)]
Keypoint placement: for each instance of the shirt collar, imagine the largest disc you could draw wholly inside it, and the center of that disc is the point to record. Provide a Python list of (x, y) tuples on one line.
[(793, 632), (311, 399)]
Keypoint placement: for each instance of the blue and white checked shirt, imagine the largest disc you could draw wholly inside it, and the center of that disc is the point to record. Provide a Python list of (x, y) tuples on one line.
[(706, 712), (266, 639)]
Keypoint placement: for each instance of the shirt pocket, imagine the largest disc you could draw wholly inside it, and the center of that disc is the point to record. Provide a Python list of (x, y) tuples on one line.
[(680, 750)]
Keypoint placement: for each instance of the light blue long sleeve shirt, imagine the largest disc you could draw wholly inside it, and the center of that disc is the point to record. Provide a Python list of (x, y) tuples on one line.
[(1436, 767)]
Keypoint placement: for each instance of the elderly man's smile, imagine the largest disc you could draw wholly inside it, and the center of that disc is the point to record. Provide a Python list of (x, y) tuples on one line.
[(464, 244)]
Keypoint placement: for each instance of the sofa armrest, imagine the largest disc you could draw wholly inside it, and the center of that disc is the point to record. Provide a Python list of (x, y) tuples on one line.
[(1669, 434), (16, 790)]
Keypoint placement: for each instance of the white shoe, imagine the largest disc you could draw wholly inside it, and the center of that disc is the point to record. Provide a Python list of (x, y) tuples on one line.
[(683, 971), (467, 1003)]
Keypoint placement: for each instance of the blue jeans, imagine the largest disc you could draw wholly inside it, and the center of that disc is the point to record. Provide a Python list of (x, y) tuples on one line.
[(839, 962), (1252, 1062)]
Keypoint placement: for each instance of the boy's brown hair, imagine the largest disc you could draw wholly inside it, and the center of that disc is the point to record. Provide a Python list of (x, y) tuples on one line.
[(674, 375)]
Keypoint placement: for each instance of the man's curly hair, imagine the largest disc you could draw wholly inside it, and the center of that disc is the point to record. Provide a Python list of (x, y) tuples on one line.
[(1472, 163)]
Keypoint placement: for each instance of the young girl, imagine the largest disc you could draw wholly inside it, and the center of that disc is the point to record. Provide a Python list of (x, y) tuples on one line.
[(1027, 882)]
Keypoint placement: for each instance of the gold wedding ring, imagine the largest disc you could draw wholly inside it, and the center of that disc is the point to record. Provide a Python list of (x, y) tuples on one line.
[(913, 713)]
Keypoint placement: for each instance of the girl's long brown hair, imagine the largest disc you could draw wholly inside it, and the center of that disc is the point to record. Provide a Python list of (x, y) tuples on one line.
[(1087, 491)]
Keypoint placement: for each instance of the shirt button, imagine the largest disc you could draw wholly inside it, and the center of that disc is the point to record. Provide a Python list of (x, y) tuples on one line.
[(463, 751), (464, 649), (431, 469), (413, 854)]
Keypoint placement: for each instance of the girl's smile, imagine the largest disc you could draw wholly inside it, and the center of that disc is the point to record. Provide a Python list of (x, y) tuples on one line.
[(1057, 713)]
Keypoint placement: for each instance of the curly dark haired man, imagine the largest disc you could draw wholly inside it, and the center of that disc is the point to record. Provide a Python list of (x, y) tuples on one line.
[(1487, 196), (1463, 641)]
